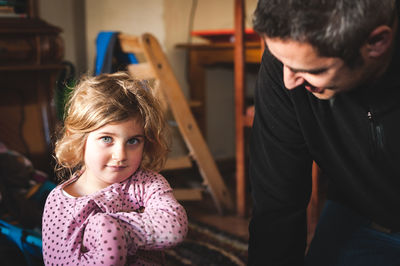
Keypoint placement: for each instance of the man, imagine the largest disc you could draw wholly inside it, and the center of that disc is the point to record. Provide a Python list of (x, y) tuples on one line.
[(329, 91)]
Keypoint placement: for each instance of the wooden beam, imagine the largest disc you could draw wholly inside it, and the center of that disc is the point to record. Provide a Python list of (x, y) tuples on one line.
[(178, 163), (239, 71), (188, 194)]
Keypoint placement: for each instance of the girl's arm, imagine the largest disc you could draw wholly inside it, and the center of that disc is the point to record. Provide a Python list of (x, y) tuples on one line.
[(74, 232), (148, 212)]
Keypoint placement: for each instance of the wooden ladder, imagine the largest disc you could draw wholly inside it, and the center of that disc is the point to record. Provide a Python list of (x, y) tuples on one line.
[(153, 65)]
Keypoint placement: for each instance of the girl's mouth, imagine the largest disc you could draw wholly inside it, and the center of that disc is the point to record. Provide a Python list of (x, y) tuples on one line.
[(117, 167)]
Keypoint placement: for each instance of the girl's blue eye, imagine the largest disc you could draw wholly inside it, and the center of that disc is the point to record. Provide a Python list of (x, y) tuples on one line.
[(106, 139), (133, 141)]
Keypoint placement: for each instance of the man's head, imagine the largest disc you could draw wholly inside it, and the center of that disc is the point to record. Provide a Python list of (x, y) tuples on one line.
[(328, 46), (335, 28)]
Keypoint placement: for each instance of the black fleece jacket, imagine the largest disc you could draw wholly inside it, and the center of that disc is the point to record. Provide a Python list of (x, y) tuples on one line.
[(354, 138)]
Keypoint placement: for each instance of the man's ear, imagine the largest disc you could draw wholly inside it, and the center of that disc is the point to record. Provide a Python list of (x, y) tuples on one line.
[(379, 41)]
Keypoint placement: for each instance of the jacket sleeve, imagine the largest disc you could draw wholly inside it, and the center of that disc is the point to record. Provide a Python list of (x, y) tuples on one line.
[(280, 173)]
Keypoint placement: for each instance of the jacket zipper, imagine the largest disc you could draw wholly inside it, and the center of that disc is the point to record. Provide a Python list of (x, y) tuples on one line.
[(376, 131)]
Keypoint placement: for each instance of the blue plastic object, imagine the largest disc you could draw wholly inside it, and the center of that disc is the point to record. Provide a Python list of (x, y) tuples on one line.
[(28, 241), (107, 47)]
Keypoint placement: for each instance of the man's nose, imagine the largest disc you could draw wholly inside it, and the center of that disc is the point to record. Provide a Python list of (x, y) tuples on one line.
[(291, 79)]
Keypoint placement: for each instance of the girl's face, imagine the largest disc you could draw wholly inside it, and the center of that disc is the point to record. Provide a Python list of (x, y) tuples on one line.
[(113, 153)]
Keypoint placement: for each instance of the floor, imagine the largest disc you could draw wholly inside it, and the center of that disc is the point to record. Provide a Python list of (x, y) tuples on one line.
[(230, 223), (204, 211)]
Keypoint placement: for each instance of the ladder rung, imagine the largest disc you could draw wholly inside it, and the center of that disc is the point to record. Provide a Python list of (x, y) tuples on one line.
[(141, 71), (183, 194), (193, 103), (130, 44), (178, 163)]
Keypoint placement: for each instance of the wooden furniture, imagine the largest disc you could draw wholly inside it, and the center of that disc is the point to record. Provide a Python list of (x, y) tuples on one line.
[(239, 108), (316, 203), (31, 52), (238, 54), (203, 56), (155, 67)]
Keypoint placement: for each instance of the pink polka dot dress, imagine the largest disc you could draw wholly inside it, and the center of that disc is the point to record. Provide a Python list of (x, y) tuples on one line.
[(127, 223)]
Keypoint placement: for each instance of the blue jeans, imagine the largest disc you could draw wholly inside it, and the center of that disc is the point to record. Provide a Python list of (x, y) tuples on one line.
[(343, 238)]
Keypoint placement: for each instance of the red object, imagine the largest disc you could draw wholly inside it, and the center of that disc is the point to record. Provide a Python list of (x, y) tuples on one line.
[(225, 35)]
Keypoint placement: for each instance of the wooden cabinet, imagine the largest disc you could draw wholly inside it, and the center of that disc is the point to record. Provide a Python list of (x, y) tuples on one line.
[(31, 52)]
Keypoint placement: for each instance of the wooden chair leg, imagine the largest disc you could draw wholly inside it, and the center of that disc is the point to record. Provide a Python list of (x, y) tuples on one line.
[(315, 204)]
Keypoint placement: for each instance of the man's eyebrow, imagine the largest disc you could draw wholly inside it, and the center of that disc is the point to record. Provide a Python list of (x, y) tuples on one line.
[(299, 70), (311, 71)]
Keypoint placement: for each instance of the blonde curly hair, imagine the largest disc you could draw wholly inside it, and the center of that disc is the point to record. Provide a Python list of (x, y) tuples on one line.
[(109, 98)]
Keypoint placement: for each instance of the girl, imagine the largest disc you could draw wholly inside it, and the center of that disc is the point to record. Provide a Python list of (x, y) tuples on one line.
[(114, 209)]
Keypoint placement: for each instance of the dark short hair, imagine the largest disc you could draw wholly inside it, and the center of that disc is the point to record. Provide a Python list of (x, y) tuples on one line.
[(336, 28)]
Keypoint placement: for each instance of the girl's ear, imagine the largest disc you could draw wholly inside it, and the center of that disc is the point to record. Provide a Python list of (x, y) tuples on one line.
[(379, 41)]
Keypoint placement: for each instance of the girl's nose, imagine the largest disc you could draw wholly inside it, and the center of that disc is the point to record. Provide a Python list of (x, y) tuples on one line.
[(119, 153), (291, 79)]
